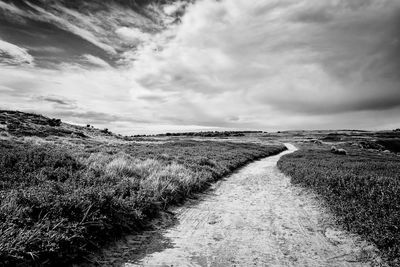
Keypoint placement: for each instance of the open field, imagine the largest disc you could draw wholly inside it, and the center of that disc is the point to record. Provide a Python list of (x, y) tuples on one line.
[(67, 190), (63, 194), (362, 189)]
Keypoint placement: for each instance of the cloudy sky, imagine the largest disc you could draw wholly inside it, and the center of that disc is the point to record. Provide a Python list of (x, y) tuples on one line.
[(229, 64)]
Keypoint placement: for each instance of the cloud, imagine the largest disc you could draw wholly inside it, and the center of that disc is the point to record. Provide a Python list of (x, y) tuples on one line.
[(41, 14), (58, 102), (230, 64), (297, 56), (5, 89), (87, 21), (14, 55), (55, 100), (152, 98), (95, 61), (96, 117), (316, 14), (174, 8), (76, 94), (11, 8), (65, 24), (132, 35)]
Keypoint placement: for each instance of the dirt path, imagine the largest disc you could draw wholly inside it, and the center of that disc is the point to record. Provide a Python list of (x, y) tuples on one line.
[(256, 217)]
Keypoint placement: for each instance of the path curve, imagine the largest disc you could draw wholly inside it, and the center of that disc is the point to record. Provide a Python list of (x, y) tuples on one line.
[(256, 217)]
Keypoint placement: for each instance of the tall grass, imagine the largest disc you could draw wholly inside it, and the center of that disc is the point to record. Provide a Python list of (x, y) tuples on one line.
[(58, 203), (362, 189)]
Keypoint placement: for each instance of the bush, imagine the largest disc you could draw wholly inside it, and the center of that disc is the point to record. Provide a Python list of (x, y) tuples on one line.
[(105, 131), (54, 122), (391, 144)]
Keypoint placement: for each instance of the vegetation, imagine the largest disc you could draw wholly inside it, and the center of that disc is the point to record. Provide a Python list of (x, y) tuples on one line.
[(54, 122), (208, 134), (391, 144), (29, 124), (105, 131), (57, 202), (362, 189)]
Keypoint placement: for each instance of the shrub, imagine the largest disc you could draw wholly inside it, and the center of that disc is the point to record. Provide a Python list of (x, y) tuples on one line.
[(391, 144), (105, 131), (54, 122)]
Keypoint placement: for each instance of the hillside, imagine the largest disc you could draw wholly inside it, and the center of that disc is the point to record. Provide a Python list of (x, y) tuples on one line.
[(20, 124)]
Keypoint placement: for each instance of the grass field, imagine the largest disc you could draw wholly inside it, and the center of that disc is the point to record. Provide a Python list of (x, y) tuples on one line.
[(60, 199), (66, 190), (362, 189)]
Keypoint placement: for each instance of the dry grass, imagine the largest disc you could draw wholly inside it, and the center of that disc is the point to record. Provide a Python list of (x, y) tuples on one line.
[(58, 202), (362, 189)]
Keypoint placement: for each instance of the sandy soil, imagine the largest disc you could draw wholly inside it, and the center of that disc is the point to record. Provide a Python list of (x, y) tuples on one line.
[(255, 217)]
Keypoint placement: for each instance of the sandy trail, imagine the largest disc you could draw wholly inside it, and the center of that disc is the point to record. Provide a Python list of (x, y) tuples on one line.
[(256, 217)]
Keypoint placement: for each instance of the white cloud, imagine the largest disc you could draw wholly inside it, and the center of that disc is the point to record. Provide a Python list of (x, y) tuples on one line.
[(11, 8), (65, 24), (5, 88), (290, 56), (14, 55), (101, 26), (96, 61), (174, 7), (132, 35)]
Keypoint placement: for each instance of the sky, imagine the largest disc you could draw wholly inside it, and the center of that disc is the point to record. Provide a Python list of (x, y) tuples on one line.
[(205, 65)]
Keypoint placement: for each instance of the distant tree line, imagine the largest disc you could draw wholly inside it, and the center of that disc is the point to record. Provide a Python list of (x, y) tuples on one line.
[(205, 134)]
